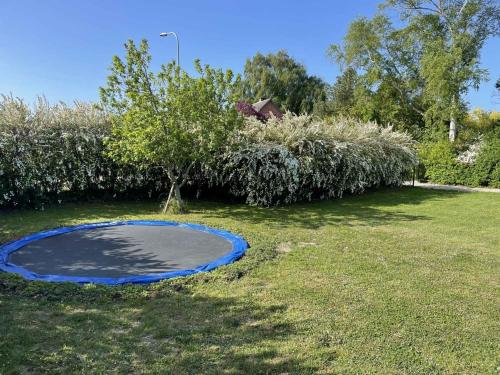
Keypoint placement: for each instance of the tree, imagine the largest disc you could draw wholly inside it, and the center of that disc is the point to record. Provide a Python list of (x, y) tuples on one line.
[(340, 96), (451, 34), (167, 119), (343, 92), (280, 77), (348, 96), (385, 60), (421, 70)]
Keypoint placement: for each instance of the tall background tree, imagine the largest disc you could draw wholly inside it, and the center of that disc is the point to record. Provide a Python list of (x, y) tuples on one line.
[(341, 96), (280, 77), (452, 34), (384, 60), (168, 119), (420, 71)]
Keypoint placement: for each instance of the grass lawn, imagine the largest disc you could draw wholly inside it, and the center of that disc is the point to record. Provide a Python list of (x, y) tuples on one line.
[(390, 282)]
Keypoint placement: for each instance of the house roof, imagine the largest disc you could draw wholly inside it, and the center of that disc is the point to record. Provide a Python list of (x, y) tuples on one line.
[(259, 105)]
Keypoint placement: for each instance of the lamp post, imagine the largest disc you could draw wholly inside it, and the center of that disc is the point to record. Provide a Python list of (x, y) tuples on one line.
[(176, 38)]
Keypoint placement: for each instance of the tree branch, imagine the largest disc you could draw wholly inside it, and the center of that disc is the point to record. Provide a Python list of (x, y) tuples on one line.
[(403, 94), (463, 7), (186, 174)]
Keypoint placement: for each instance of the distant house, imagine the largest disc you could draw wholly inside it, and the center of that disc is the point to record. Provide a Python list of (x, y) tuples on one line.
[(263, 109), (266, 107)]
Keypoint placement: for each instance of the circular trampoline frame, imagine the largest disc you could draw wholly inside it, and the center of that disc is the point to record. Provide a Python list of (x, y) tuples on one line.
[(239, 247)]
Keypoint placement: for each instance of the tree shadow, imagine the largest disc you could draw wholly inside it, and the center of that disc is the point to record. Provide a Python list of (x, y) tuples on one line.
[(30, 220), (88, 256), (370, 209), (120, 251), (178, 333)]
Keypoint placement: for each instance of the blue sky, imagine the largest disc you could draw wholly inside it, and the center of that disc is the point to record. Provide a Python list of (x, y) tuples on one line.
[(62, 48)]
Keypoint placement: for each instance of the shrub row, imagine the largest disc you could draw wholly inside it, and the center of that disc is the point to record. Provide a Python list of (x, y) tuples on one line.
[(299, 158), (54, 153), (57, 153)]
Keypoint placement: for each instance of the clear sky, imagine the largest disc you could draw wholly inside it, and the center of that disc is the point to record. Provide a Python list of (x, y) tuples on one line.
[(62, 48)]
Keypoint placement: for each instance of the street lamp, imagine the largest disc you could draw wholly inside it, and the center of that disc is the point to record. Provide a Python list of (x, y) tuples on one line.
[(176, 38)]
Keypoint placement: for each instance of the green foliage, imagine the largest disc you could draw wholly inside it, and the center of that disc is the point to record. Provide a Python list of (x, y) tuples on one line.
[(380, 81), (417, 74), (301, 158), (343, 93), (440, 161), (346, 98), (487, 164), (442, 165), (481, 120), (169, 119), (55, 153), (452, 34), (279, 77), (476, 124)]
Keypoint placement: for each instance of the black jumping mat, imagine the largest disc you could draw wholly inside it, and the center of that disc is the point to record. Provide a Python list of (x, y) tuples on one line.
[(119, 251)]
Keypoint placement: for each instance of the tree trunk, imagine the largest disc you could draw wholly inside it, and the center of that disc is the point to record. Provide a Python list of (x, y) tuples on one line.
[(180, 202), (167, 203), (174, 194), (452, 134), (453, 129)]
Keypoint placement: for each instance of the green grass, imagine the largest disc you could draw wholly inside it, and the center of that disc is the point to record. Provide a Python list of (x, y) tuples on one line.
[(390, 282)]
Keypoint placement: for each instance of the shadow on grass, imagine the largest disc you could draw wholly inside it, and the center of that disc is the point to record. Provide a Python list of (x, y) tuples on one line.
[(14, 222), (94, 253), (176, 332), (370, 209), (62, 328)]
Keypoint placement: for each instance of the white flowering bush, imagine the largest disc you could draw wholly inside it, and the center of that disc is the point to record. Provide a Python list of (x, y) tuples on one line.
[(301, 158), (56, 153), (469, 156), (52, 153), (263, 173)]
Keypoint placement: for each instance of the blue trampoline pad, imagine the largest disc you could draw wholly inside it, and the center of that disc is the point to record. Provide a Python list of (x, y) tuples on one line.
[(121, 252)]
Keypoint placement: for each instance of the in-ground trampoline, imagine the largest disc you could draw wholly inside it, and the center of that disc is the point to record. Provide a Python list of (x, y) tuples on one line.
[(121, 252)]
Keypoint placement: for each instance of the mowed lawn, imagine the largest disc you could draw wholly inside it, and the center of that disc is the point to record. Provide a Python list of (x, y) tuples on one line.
[(402, 281)]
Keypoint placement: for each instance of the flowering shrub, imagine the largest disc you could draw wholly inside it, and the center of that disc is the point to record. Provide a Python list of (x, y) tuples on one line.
[(300, 158), (469, 156), (263, 173), (53, 153)]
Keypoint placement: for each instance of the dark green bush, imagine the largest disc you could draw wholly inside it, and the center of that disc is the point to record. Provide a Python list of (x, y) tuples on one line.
[(487, 165)]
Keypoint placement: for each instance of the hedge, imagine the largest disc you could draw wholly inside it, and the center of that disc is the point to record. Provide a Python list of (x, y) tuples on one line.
[(58, 153), (55, 153), (301, 158)]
